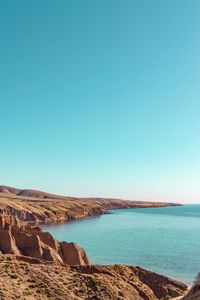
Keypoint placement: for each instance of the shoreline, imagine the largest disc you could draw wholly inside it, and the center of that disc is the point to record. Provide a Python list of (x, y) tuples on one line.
[(44, 226), (28, 246), (107, 212), (36, 207)]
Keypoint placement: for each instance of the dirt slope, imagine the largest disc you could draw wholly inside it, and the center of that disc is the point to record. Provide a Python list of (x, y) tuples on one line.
[(23, 278)]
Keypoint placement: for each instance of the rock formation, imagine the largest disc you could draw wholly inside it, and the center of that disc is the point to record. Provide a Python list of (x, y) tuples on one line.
[(19, 238)]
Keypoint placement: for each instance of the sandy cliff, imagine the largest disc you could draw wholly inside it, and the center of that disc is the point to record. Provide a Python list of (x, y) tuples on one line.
[(18, 238)]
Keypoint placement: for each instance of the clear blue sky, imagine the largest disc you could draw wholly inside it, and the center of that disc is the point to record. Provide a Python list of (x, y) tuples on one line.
[(101, 98)]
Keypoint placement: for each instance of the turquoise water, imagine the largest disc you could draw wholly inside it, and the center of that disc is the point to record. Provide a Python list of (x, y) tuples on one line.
[(165, 240)]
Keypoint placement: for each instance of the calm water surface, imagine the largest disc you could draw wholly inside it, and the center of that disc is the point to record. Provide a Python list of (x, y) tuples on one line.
[(165, 240)]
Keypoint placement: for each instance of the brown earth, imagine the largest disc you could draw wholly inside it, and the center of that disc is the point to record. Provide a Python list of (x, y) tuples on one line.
[(36, 206), (27, 279), (18, 238), (34, 265)]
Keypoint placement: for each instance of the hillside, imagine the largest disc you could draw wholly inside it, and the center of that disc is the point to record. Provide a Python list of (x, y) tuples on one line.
[(36, 206), (28, 280)]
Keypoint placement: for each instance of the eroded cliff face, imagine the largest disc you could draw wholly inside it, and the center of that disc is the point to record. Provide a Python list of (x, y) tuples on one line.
[(36, 206), (48, 211), (18, 238)]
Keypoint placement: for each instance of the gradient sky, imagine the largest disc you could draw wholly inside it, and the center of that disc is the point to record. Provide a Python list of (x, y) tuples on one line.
[(101, 98)]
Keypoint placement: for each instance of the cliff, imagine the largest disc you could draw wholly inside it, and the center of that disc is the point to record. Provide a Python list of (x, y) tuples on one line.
[(18, 238), (37, 206)]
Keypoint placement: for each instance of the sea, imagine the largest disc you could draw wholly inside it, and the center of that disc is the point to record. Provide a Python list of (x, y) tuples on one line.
[(164, 240)]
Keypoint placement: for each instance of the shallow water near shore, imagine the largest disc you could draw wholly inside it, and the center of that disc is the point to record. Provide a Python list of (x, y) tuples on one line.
[(164, 240)]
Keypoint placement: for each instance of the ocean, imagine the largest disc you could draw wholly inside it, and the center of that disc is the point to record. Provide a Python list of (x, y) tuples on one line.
[(165, 240)]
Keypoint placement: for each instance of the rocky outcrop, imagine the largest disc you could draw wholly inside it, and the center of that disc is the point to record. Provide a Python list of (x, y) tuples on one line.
[(7, 243), (72, 253), (21, 239)]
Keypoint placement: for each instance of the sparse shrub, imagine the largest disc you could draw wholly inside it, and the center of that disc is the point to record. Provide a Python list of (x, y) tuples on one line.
[(13, 276)]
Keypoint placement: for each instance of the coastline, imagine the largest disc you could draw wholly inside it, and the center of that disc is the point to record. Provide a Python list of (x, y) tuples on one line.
[(27, 247), (65, 233), (40, 207), (44, 213), (106, 212)]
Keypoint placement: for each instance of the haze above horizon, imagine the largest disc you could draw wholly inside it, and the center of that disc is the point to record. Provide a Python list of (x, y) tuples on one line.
[(101, 98)]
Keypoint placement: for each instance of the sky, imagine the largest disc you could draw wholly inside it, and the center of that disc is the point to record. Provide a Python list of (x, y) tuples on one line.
[(101, 98)]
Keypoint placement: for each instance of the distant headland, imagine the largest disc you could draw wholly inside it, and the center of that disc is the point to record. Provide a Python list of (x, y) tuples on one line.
[(37, 206)]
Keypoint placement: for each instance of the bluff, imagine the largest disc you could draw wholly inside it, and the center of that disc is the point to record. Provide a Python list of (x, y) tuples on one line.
[(18, 238)]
